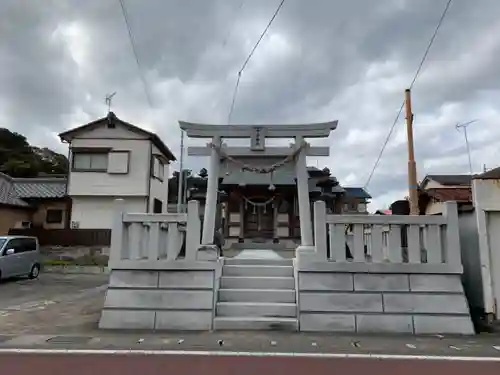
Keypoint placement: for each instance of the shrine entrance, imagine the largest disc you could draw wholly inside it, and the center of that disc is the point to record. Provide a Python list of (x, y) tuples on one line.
[(254, 166), (258, 218)]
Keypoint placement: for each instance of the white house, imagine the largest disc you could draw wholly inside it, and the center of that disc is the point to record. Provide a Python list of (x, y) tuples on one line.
[(109, 159)]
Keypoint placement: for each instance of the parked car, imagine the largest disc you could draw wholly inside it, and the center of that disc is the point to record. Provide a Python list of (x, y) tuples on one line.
[(19, 256)]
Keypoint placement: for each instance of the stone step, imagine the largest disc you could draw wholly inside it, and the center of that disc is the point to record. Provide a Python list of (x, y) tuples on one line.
[(257, 295), (288, 310), (255, 323), (252, 270), (247, 282), (264, 262)]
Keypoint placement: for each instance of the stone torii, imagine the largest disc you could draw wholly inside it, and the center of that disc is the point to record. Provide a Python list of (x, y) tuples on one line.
[(258, 135)]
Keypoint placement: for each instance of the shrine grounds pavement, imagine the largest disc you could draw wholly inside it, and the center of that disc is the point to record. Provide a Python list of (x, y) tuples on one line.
[(61, 311)]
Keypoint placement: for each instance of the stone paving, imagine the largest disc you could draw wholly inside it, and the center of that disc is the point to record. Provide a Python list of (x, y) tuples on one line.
[(62, 311)]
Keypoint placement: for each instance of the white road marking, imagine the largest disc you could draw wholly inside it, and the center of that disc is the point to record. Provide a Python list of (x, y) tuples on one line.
[(247, 354)]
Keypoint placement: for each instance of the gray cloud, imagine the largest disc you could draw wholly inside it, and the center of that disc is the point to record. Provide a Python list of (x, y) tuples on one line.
[(321, 60)]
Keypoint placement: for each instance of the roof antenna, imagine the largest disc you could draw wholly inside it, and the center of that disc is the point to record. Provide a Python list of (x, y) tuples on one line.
[(108, 100)]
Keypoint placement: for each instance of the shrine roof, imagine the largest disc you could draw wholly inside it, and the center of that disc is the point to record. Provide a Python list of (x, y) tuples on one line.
[(314, 130), (281, 177)]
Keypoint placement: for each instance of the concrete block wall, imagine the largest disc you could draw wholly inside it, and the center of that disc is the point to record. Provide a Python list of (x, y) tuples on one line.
[(383, 303), (159, 299)]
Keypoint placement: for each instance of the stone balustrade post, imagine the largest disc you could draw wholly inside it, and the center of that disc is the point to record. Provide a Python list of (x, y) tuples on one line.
[(320, 231), (117, 233), (453, 254), (193, 230)]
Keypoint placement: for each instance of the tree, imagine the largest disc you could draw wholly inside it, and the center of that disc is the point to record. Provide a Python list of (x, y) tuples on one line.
[(19, 159)]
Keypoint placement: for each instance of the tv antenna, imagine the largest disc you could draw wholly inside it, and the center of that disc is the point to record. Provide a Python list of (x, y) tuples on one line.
[(109, 99)]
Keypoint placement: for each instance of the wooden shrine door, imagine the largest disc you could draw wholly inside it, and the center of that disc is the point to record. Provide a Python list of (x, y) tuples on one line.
[(259, 221)]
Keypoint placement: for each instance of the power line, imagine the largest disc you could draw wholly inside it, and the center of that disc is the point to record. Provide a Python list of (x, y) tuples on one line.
[(417, 73), (235, 92), (134, 51)]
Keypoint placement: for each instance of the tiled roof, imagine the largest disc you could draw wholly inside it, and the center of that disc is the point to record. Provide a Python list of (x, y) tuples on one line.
[(451, 179), (450, 194), (7, 192), (492, 174), (69, 134), (40, 187), (356, 192)]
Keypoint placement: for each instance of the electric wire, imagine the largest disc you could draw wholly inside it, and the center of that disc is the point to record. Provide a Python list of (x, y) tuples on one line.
[(136, 55), (235, 92), (417, 73)]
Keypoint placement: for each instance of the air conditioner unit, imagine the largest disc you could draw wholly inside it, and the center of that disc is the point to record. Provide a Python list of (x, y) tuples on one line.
[(75, 224)]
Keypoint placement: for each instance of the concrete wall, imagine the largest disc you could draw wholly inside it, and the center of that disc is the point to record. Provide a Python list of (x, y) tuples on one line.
[(469, 245), (97, 212), (12, 216), (382, 303), (434, 208), (486, 200), (40, 216), (158, 188), (161, 300)]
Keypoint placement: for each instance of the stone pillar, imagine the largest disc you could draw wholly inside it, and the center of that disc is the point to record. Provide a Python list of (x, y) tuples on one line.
[(306, 233), (275, 204), (211, 198), (241, 237)]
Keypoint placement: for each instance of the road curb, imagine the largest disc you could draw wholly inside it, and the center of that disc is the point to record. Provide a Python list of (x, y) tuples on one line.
[(215, 353), (90, 270)]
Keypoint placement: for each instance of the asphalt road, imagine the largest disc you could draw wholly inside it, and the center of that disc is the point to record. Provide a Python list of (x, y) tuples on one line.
[(50, 364)]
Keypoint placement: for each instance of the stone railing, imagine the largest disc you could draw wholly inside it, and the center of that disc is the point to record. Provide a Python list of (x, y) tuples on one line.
[(144, 240), (426, 243)]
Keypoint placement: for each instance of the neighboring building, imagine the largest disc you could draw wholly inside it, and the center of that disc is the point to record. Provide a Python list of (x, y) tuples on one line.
[(110, 159), (434, 190), (261, 207), (482, 263), (355, 200), (437, 189), (33, 202)]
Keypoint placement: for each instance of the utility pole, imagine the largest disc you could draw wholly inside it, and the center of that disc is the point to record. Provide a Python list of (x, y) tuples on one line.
[(412, 167), (464, 126), (180, 190)]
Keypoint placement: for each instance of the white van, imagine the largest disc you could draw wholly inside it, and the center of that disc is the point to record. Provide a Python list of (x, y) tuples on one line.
[(19, 256)]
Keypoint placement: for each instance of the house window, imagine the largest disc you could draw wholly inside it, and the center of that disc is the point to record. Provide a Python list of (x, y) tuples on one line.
[(54, 216), (118, 162), (158, 169), (157, 206), (92, 162)]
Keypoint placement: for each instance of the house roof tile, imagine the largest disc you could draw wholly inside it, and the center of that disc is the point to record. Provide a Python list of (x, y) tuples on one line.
[(357, 192), (7, 192), (69, 134), (451, 194), (451, 179), (40, 187), (492, 174)]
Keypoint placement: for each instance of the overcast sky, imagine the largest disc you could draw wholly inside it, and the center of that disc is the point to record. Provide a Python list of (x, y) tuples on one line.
[(321, 60)]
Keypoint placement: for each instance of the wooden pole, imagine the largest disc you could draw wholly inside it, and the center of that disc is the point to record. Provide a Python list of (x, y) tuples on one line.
[(412, 167)]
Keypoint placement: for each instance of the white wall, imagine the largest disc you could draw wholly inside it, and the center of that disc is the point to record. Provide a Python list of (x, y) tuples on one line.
[(486, 199), (135, 182), (159, 189), (434, 208), (97, 212)]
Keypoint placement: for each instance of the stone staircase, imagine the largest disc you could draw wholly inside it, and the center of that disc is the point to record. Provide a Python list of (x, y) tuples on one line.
[(257, 294)]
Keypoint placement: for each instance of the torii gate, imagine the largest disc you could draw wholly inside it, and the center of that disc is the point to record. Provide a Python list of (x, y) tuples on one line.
[(258, 134)]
